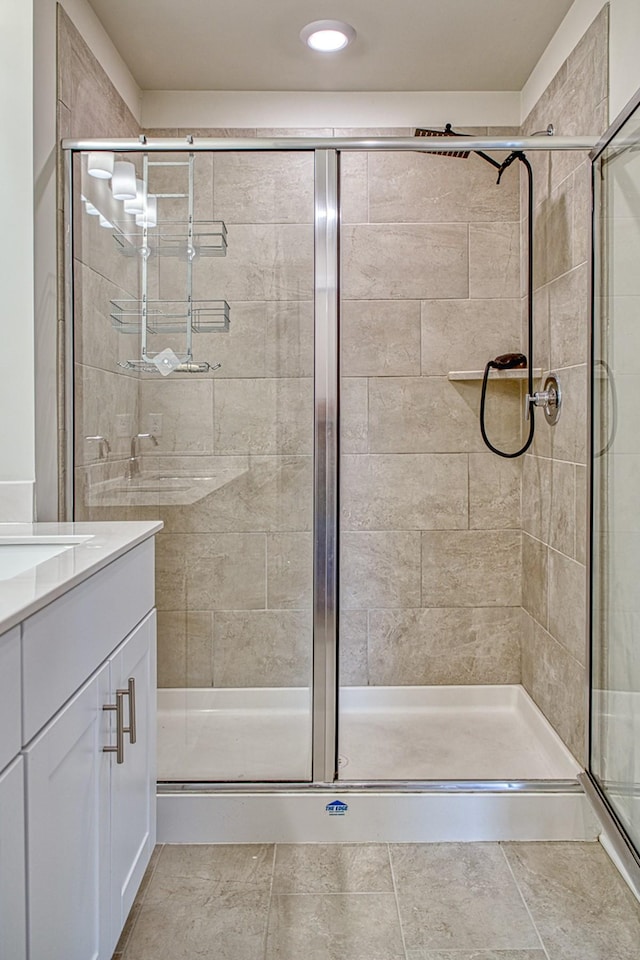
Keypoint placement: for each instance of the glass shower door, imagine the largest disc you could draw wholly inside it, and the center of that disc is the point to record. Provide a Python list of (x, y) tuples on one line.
[(219, 281), (615, 690)]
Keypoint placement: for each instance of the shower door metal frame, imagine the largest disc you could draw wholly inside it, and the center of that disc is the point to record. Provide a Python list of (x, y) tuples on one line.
[(613, 829), (325, 684)]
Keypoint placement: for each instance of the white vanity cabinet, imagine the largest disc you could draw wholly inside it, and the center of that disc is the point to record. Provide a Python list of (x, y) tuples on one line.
[(89, 811), (13, 925)]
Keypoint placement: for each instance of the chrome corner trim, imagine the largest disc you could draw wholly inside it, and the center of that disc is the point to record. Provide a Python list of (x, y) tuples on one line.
[(411, 144), (613, 830), (69, 385), (325, 521)]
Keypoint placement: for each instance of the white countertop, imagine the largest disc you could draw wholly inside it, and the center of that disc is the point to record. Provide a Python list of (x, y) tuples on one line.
[(25, 594)]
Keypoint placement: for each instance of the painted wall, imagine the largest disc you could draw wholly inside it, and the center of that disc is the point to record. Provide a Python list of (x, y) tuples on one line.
[(16, 264)]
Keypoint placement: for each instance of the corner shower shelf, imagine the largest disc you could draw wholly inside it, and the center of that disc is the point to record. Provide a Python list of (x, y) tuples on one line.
[(171, 316), (518, 374), (170, 239)]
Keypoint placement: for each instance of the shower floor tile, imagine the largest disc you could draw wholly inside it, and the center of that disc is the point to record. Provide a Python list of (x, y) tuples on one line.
[(471, 901)]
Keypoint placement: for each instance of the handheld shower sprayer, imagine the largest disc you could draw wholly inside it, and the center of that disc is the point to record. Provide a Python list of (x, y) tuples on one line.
[(509, 361)]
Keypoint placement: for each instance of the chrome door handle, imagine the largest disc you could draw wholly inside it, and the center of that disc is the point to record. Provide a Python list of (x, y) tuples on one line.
[(118, 706), (131, 693)]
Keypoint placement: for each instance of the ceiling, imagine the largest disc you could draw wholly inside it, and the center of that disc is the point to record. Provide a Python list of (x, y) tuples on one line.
[(400, 44)]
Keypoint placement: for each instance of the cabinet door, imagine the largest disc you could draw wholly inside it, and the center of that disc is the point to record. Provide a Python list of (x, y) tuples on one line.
[(68, 830), (133, 783), (13, 920)]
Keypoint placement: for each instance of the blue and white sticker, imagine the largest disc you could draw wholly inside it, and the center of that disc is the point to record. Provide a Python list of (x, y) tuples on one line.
[(337, 808)]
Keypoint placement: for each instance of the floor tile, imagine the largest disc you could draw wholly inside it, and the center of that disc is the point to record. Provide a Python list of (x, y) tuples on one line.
[(229, 926), (356, 926), (250, 864), (460, 896), (332, 868), (580, 904)]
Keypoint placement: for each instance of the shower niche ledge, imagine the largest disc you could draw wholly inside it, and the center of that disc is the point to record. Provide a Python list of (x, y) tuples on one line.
[(516, 374)]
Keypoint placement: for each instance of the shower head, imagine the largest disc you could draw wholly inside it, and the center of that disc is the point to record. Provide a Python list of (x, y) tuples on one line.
[(447, 132)]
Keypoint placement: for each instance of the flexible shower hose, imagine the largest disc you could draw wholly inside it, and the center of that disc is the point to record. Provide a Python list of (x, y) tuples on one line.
[(483, 396)]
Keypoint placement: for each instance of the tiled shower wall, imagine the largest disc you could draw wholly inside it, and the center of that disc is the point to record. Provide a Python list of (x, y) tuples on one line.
[(89, 106), (431, 540), (430, 520), (554, 509)]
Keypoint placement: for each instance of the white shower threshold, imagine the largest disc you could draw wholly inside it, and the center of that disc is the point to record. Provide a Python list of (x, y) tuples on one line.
[(465, 734)]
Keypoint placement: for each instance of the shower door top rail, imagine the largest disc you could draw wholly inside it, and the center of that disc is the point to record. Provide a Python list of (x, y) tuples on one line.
[(413, 144)]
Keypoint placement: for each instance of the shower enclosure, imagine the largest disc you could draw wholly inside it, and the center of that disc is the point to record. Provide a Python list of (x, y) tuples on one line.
[(613, 779), (339, 576)]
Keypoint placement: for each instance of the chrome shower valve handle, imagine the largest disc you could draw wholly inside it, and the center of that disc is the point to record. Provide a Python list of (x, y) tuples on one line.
[(549, 398)]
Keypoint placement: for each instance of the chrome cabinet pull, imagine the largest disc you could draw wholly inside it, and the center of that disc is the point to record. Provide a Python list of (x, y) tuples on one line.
[(118, 706), (131, 693)]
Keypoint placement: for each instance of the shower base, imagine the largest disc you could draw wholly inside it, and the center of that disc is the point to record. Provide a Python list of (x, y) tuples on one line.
[(417, 764)]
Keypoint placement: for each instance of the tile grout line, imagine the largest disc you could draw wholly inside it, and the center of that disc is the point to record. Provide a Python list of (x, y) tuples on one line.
[(268, 923), (524, 901), (395, 893)]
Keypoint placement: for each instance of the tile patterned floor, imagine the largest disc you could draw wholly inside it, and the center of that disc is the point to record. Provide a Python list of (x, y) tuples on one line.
[(449, 901)]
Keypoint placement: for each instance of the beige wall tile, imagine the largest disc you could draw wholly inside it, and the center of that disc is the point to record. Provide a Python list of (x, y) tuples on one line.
[(541, 336), (199, 652), (536, 496), (224, 571), (553, 252), (289, 571), (406, 187), (387, 261), (534, 578), (289, 332), (186, 408), (380, 569), (494, 260), (263, 416), (569, 435), (569, 304), (471, 568), (354, 192), (404, 492), (434, 415), (568, 604), (263, 262), (275, 493), (175, 179), (101, 397), (353, 667), (581, 522), (380, 338), (354, 415), (464, 334), (263, 187), (562, 533), (96, 342), (172, 655), (444, 646), (494, 492), (265, 648), (556, 682), (582, 213), (171, 577)]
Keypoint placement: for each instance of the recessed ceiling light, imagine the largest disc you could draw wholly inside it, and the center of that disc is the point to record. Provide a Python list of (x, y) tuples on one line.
[(328, 36)]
